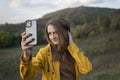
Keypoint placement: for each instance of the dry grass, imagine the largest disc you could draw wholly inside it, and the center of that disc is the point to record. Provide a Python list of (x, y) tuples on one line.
[(103, 51)]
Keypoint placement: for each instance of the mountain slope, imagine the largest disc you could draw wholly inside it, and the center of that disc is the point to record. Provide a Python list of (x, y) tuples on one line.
[(79, 13)]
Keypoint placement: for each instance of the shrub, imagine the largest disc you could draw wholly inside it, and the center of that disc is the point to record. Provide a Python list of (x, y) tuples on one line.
[(6, 39)]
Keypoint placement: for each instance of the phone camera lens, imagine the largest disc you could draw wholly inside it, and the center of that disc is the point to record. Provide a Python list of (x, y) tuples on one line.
[(28, 23)]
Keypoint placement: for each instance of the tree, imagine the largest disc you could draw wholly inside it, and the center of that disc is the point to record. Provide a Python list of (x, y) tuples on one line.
[(103, 21), (41, 37), (6, 39), (115, 22), (86, 18), (76, 31), (92, 33)]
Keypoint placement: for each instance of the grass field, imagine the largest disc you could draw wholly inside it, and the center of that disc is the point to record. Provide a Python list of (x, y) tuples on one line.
[(103, 51)]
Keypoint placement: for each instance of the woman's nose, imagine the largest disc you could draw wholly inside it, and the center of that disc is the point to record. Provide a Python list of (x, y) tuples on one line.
[(53, 35)]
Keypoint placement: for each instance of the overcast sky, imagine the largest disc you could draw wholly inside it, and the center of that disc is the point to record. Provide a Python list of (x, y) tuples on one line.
[(16, 11)]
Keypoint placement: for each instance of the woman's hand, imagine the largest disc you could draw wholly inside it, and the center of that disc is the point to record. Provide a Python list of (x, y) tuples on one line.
[(25, 47)]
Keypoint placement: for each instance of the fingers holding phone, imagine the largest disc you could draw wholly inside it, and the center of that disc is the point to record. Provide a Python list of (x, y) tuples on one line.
[(25, 43), (29, 38), (25, 47)]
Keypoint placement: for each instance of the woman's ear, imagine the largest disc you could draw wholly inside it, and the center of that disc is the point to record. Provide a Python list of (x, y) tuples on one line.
[(70, 37)]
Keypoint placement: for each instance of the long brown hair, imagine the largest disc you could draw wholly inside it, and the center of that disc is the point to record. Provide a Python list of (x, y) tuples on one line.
[(62, 27)]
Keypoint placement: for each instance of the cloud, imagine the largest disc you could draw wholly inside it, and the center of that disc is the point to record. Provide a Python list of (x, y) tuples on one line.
[(20, 10), (15, 3), (54, 4), (75, 3), (91, 1), (30, 3)]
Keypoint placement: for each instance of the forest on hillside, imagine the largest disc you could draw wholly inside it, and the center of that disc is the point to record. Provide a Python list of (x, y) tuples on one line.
[(85, 22)]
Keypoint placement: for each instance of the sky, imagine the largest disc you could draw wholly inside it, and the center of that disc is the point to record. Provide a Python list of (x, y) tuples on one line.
[(17, 11)]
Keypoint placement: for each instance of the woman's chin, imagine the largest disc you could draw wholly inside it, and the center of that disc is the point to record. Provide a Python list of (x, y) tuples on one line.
[(55, 43)]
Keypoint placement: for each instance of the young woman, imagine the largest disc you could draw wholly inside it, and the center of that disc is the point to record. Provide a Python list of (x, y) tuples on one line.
[(60, 59)]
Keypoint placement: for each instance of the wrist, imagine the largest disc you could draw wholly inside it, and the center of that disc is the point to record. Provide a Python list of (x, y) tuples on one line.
[(26, 57)]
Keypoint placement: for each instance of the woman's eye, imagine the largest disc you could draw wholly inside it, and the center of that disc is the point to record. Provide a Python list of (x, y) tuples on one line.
[(49, 33)]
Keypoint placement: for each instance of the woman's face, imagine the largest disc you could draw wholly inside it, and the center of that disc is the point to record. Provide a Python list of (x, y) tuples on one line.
[(53, 34)]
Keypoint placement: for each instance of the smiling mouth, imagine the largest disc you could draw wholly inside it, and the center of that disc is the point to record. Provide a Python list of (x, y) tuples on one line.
[(54, 40)]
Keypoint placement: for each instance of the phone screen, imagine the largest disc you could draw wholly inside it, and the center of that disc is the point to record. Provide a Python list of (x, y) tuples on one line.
[(31, 28)]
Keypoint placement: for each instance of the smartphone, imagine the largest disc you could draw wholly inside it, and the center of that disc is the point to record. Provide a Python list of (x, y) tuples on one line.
[(31, 28)]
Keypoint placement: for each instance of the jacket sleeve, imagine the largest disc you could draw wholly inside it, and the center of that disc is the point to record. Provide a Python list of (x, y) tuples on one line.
[(29, 70), (83, 64)]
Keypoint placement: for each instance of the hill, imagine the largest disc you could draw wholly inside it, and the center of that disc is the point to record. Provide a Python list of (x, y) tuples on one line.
[(78, 15), (85, 21), (81, 15)]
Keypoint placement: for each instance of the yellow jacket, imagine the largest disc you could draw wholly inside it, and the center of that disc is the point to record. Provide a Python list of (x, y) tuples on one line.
[(50, 69)]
